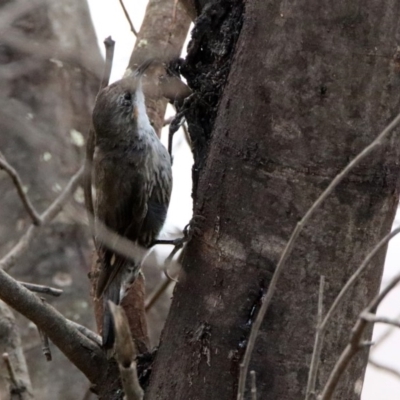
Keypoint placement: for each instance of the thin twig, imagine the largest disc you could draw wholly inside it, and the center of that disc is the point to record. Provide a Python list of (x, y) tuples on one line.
[(384, 368), (12, 256), (17, 387), (382, 320), (134, 31), (354, 343), (125, 354), (290, 244), (45, 345), (312, 375), (253, 385), (35, 217), (356, 275), (155, 295), (42, 289), (381, 339)]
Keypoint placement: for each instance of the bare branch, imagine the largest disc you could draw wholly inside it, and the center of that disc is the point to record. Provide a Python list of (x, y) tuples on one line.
[(9, 260), (125, 354), (290, 244), (384, 368), (312, 375), (383, 320), (354, 343), (42, 289), (157, 292), (81, 351), (356, 275), (36, 220), (253, 385), (17, 387), (45, 345), (134, 31)]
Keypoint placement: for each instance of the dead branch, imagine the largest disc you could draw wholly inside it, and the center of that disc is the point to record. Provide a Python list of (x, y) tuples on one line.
[(17, 388), (384, 368), (290, 244), (133, 30), (125, 354), (35, 217), (45, 345), (253, 385), (355, 342), (382, 320), (155, 295), (9, 260), (312, 375), (81, 351), (42, 289)]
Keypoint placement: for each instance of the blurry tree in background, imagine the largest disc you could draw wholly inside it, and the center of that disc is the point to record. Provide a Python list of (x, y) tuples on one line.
[(50, 70), (283, 98)]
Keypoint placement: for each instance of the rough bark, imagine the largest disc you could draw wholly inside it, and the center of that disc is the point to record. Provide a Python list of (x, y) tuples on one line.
[(310, 85)]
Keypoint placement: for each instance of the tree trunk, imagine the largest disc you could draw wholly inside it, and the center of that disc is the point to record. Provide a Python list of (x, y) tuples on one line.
[(310, 85)]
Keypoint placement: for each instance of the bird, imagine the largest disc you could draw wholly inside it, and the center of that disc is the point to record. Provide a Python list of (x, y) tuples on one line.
[(133, 182)]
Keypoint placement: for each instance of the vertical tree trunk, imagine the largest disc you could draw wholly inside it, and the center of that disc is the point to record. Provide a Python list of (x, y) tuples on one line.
[(310, 85)]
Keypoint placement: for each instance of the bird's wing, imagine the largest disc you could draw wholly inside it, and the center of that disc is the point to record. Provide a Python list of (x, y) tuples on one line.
[(121, 206), (159, 200)]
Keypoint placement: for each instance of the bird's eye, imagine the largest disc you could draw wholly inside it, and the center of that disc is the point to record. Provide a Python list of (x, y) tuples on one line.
[(126, 99)]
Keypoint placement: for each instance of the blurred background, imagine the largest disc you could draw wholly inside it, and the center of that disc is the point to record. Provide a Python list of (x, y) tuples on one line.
[(46, 100)]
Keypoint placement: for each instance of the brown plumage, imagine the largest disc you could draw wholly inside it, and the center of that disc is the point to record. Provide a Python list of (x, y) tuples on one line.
[(133, 181)]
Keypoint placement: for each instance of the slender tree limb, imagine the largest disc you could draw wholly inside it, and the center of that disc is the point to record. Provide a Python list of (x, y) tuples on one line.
[(81, 351), (45, 345), (125, 354), (356, 275), (312, 375), (155, 295), (354, 346), (42, 289), (133, 30), (290, 244), (382, 320), (18, 390), (4, 165), (253, 385), (384, 368), (9, 260)]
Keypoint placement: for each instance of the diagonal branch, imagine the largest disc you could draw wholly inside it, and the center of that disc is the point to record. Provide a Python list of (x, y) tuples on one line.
[(9, 260), (290, 244), (81, 351), (35, 217), (355, 345)]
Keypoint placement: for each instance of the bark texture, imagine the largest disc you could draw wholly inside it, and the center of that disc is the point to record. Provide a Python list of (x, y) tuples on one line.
[(310, 85)]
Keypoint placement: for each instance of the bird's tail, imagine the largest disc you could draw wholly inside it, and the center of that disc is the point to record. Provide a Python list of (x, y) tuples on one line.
[(112, 293)]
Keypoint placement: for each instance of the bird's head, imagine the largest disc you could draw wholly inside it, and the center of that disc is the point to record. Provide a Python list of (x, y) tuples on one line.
[(120, 107)]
